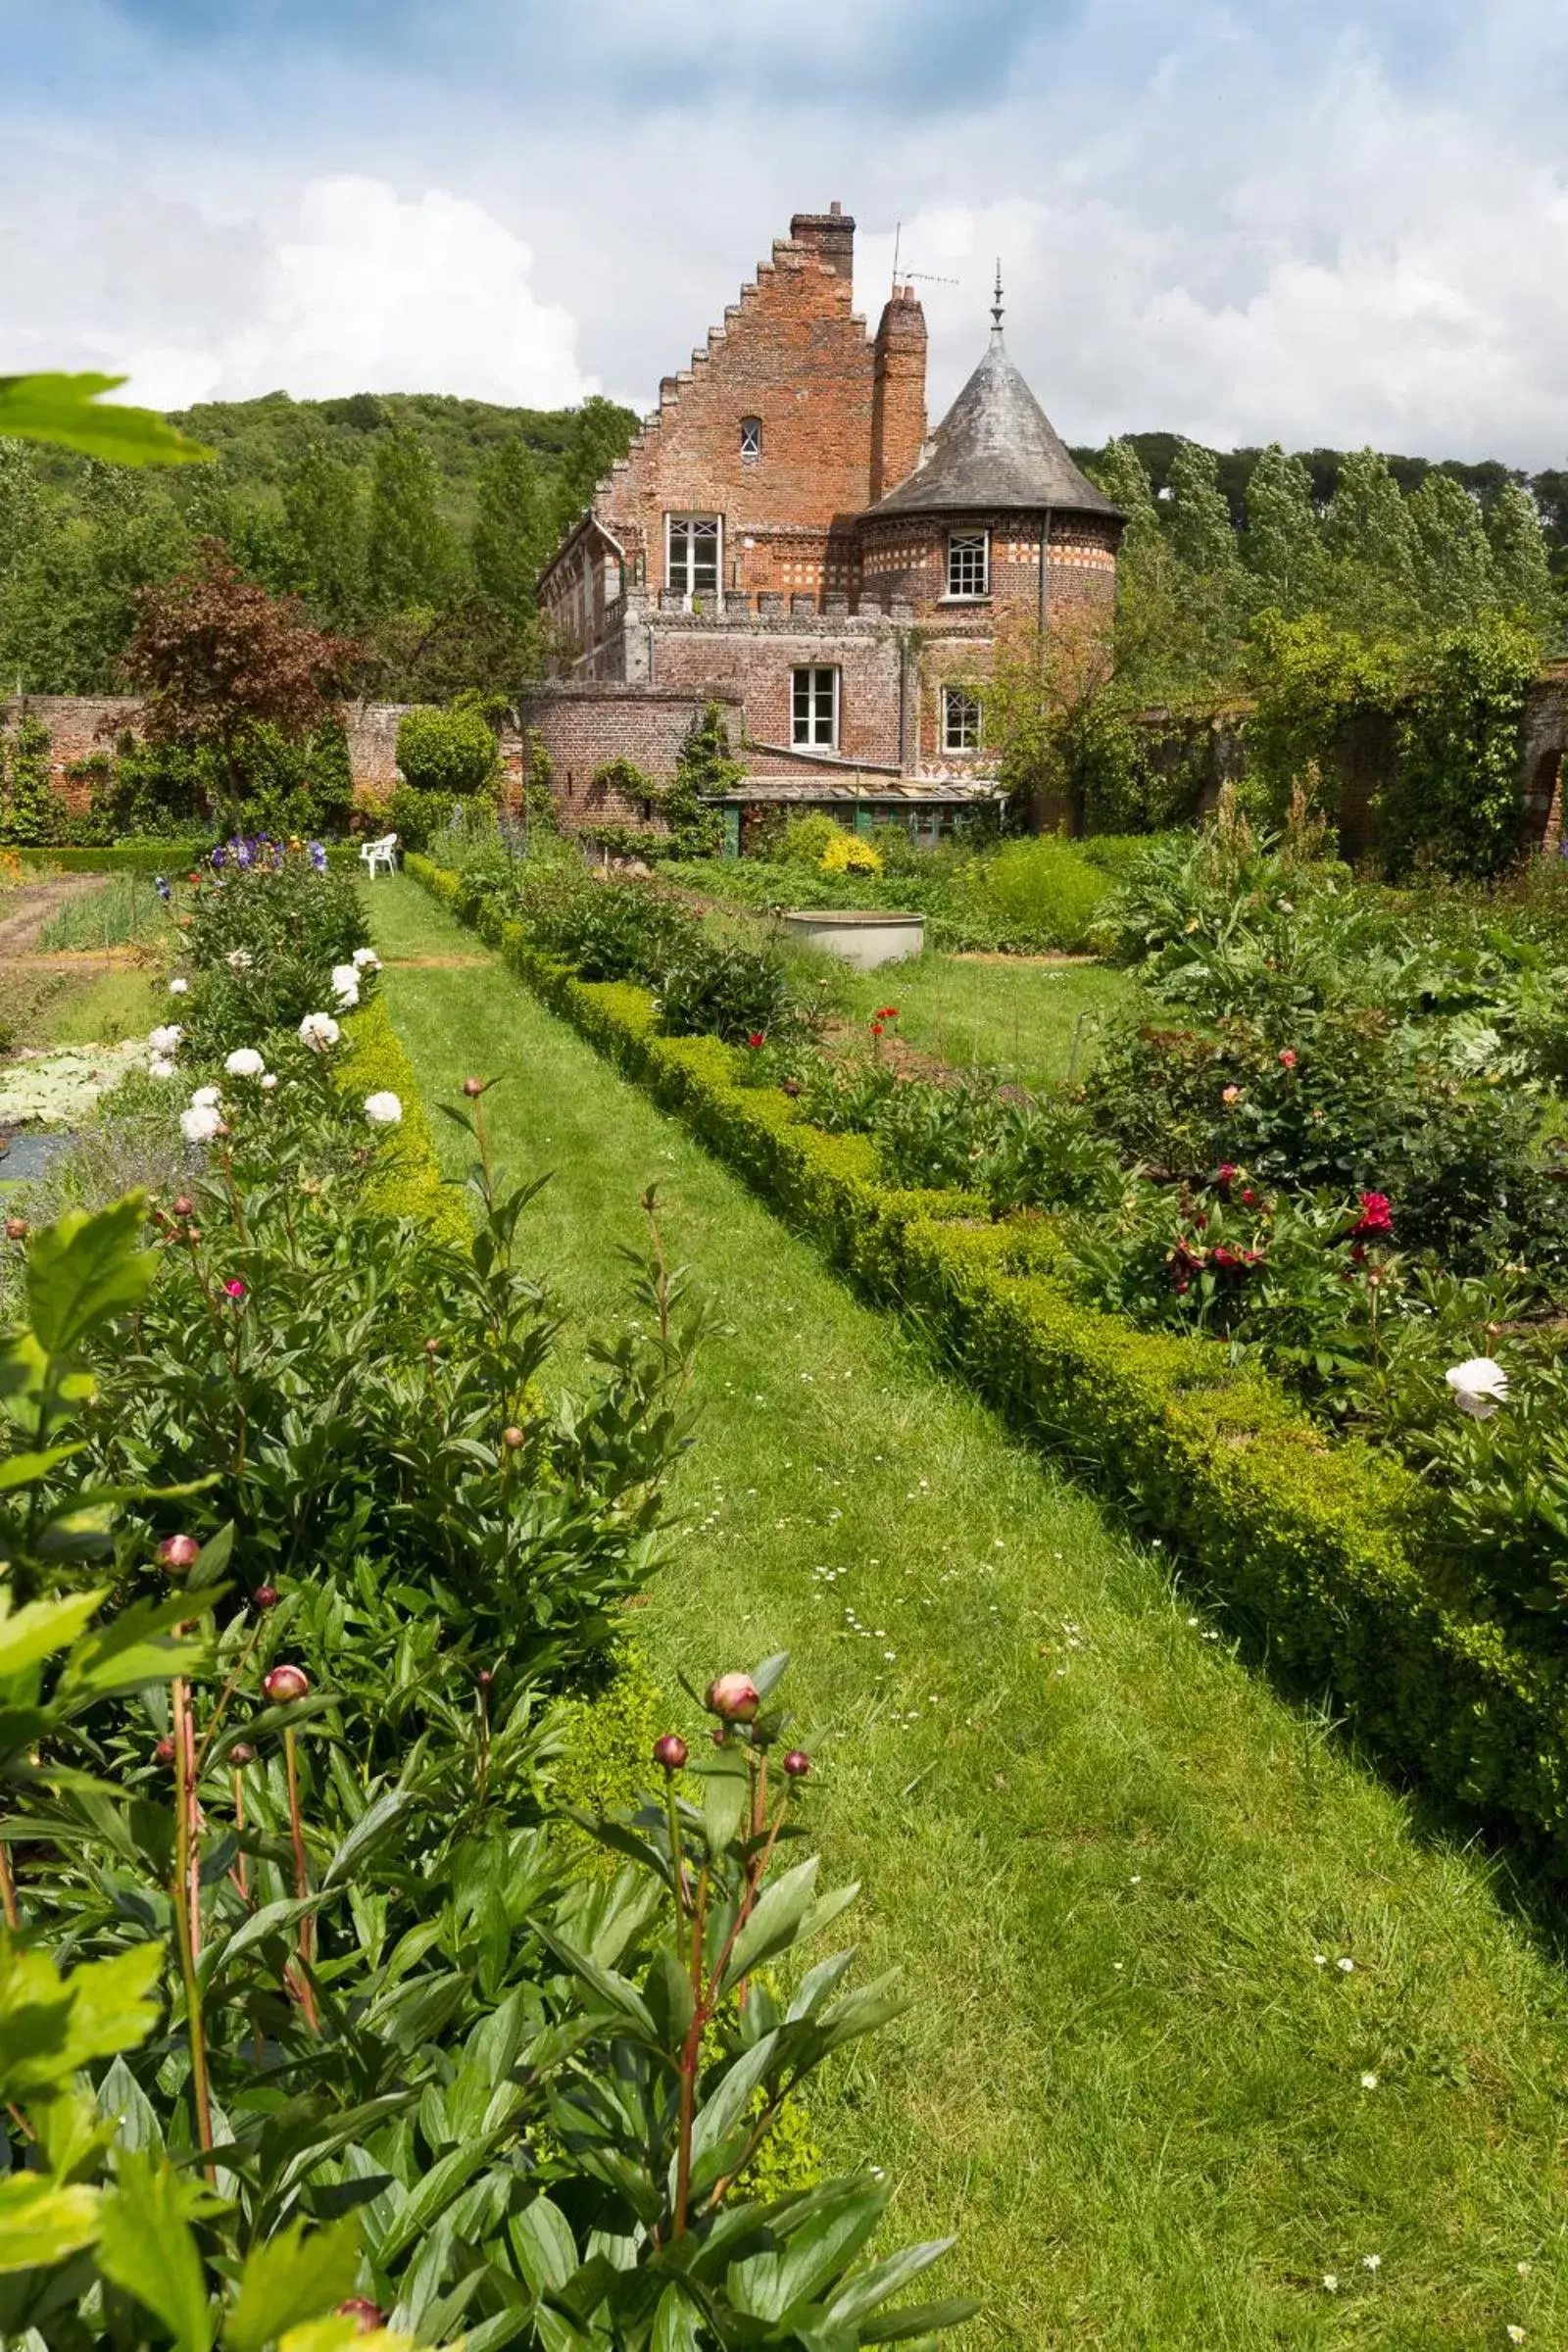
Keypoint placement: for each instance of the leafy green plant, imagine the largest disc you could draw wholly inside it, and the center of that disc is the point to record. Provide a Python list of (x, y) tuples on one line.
[(448, 752)]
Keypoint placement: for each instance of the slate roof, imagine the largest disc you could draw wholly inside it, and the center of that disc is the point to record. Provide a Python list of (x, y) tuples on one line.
[(995, 449)]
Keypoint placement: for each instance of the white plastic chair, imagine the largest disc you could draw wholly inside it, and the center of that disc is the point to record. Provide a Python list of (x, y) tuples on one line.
[(383, 851)]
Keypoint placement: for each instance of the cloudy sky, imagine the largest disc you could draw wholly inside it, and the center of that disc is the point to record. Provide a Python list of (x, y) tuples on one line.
[(1331, 225)]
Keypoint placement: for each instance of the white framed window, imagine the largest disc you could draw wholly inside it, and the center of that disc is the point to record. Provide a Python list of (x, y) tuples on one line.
[(815, 709), (750, 436), (968, 562), (692, 552), (961, 719)]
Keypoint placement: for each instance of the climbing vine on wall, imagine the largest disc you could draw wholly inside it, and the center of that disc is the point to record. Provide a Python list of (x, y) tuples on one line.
[(1455, 802)]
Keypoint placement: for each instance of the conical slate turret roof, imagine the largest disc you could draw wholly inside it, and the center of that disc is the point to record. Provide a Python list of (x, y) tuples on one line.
[(996, 448)]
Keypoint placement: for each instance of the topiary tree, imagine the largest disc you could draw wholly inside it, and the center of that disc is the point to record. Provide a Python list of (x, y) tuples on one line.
[(450, 751)]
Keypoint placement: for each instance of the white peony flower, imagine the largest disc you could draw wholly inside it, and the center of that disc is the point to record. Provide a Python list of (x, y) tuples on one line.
[(345, 984), (269, 1080), (245, 1062), (318, 1029), (382, 1110), (239, 959), (200, 1123), (163, 1040), (178, 985), (368, 960), (206, 1097), (160, 1066), (1479, 1386)]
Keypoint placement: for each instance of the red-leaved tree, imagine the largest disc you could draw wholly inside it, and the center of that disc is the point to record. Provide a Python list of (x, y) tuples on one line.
[(216, 657)]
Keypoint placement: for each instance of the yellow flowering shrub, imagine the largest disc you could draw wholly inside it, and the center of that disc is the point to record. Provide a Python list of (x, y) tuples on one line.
[(846, 854)]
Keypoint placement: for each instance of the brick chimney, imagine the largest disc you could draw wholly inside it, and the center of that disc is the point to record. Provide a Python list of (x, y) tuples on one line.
[(830, 235), (897, 399)]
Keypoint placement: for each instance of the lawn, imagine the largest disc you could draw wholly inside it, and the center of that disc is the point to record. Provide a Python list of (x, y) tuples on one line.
[(1035, 1023), (1118, 1874)]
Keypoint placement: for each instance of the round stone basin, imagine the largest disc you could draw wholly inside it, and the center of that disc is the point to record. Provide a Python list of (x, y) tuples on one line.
[(864, 940)]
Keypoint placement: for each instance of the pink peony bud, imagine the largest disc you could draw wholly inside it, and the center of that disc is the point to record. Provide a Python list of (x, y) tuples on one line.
[(234, 1287), (365, 2314), (243, 1752), (512, 1438), (265, 1596), (1287, 1058), (164, 1751), (285, 1684), (670, 1751), (15, 1229), (734, 1696), (797, 1763), (183, 1206), (176, 1553), (473, 1087)]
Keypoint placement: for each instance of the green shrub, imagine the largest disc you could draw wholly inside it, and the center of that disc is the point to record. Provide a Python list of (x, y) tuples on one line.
[(1044, 890), (451, 752), (33, 811), (414, 816), (808, 839)]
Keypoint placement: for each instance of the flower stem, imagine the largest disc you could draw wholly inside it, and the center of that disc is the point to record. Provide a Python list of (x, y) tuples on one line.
[(301, 1883), (188, 1887), (8, 1890)]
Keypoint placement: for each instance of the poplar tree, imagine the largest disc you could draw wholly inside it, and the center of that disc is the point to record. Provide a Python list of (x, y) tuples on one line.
[(1521, 571), (410, 550), (1283, 547), (1453, 573), (1200, 527), (323, 508), (1369, 538), (511, 528)]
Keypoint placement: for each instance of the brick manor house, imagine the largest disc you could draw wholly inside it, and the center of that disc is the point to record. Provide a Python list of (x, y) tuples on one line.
[(785, 538)]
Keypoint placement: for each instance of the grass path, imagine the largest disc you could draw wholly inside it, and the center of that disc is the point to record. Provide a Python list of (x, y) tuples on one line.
[(1117, 1872)]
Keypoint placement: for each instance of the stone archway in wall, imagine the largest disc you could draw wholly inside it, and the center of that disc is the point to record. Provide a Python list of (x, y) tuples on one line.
[(1542, 825)]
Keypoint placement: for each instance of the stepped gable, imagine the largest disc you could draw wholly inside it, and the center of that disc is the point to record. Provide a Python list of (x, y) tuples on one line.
[(996, 451)]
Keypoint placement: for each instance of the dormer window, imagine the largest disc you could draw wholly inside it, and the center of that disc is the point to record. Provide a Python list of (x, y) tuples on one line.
[(970, 563), (750, 436)]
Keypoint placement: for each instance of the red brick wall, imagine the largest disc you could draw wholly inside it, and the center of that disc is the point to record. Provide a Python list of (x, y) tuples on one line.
[(793, 353), (585, 727), (907, 556), (757, 664)]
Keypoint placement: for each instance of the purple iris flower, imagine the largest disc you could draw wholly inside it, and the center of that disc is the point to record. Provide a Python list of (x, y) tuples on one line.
[(317, 856)]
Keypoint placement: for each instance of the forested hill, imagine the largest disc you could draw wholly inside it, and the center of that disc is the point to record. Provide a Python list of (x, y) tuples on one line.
[(1482, 479), (259, 442)]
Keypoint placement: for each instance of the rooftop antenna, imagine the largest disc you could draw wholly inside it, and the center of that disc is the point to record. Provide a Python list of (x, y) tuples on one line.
[(926, 277)]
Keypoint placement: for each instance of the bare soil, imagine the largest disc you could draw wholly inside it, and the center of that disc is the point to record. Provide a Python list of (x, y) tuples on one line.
[(24, 913)]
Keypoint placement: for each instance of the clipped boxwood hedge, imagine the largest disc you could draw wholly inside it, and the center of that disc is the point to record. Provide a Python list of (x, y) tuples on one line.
[(411, 1185), (1316, 1543)]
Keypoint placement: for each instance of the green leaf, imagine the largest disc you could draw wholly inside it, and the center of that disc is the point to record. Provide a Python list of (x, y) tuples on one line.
[(726, 1791), (62, 409), (219, 1957), (44, 1625), (774, 1924), (294, 2276), (546, 2250), (26, 1469), (50, 2026), (41, 2222), (372, 1827), (837, 2222), (921, 2318), (675, 2323), (719, 2115), (146, 2248), (863, 2294), (86, 1267)]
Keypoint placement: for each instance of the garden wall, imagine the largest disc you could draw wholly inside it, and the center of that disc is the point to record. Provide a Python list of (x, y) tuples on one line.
[(1316, 1545)]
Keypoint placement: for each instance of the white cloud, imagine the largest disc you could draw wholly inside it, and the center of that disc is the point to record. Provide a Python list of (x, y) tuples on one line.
[(367, 292)]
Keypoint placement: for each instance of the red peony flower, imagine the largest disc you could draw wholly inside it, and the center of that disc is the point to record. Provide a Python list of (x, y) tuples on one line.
[(1287, 1058), (876, 1028), (1226, 1174), (1248, 1198), (755, 1039), (1376, 1220), (234, 1289)]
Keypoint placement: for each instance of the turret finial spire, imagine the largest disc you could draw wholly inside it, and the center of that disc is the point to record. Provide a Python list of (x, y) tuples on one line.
[(996, 303)]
